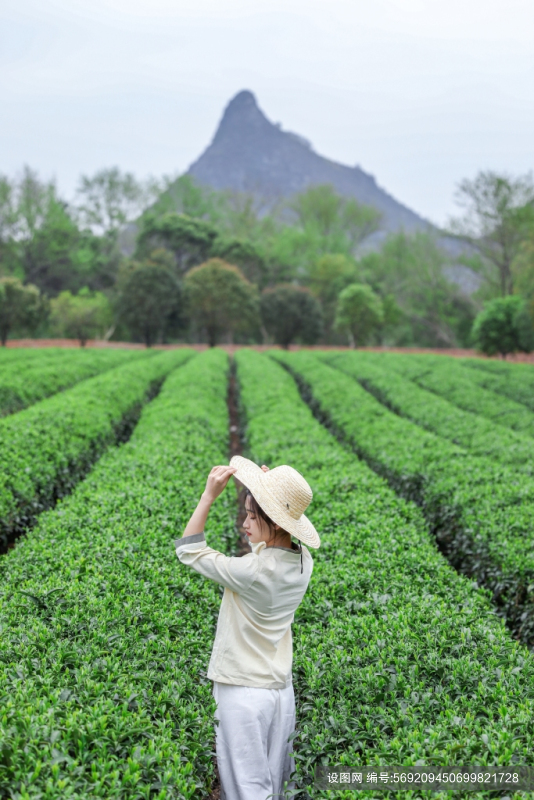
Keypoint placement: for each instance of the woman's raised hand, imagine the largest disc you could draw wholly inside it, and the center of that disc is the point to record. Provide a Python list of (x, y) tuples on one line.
[(217, 480)]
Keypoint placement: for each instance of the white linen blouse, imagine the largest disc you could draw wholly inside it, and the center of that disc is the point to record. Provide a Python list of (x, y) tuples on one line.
[(253, 644)]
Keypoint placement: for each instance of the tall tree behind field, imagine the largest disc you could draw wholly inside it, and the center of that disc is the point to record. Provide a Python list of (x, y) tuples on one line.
[(83, 316), (244, 215), (327, 277), (7, 218), (499, 209), (189, 239), (41, 242), (183, 196), (359, 313), (221, 300), (318, 222), (22, 308), (245, 255), (504, 326), (150, 299), (291, 313), (106, 203), (523, 272), (339, 221), (421, 306), (110, 198)]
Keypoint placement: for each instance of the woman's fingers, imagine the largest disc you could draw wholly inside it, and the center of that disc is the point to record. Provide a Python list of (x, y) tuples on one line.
[(225, 473), (220, 469), (219, 477)]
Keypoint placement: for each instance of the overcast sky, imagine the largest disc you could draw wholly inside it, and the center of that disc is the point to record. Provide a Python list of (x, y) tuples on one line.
[(420, 93)]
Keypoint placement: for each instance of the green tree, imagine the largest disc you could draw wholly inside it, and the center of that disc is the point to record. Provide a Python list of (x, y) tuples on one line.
[(327, 277), (86, 315), (110, 198), (428, 310), (335, 217), (38, 234), (324, 222), (106, 205), (359, 312), (243, 254), (41, 243), (221, 300), (504, 326), (498, 209), (184, 196), (21, 307), (243, 214), (189, 239), (150, 298), (523, 270), (8, 216), (58, 255), (291, 313)]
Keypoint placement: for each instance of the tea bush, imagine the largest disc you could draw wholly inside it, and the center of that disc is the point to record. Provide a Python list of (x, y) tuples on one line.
[(105, 635), (434, 413), (397, 658), (482, 512), (515, 381), (45, 449), (23, 383), (449, 379), (26, 355)]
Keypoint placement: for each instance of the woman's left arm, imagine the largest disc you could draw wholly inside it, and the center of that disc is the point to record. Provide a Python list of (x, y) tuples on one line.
[(217, 480)]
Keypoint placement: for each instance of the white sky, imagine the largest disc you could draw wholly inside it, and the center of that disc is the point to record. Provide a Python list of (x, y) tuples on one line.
[(420, 93)]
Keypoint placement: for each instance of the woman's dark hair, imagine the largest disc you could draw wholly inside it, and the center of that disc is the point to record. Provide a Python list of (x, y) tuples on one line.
[(258, 511)]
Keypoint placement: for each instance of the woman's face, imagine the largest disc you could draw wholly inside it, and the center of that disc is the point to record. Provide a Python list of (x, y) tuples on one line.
[(256, 529)]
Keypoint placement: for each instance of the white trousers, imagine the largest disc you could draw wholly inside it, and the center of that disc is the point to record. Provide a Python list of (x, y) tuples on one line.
[(251, 740)]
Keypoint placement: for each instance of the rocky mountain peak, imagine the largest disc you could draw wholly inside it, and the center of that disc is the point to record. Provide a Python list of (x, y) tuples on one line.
[(241, 115), (249, 153)]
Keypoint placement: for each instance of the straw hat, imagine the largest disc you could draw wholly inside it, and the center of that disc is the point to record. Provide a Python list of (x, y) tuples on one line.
[(283, 494)]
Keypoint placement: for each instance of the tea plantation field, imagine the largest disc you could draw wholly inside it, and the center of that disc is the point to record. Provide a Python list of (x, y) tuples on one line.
[(413, 644)]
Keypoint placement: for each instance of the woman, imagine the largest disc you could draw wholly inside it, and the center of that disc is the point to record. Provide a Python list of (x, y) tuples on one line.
[(252, 655)]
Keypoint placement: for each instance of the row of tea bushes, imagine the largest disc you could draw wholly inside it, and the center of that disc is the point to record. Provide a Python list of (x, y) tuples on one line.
[(23, 383), (481, 512), (434, 413), (45, 449), (105, 635), (515, 381), (451, 380), (26, 355), (397, 658)]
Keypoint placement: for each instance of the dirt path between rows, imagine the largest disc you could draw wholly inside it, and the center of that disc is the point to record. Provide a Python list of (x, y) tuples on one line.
[(243, 546), (236, 449)]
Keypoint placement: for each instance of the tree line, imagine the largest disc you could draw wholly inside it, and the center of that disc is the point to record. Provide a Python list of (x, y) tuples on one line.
[(169, 261)]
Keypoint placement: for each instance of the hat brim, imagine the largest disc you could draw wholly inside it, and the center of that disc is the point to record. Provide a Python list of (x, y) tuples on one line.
[(250, 475)]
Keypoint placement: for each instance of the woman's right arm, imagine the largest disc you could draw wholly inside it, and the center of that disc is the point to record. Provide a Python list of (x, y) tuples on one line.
[(235, 573), (217, 480)]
